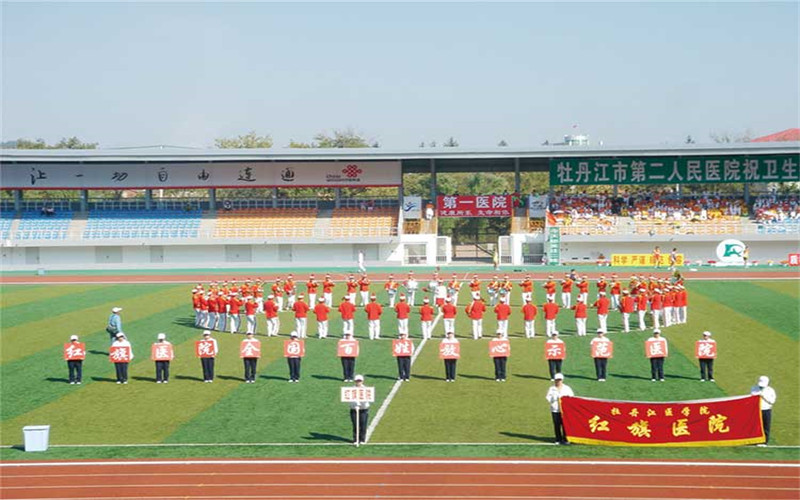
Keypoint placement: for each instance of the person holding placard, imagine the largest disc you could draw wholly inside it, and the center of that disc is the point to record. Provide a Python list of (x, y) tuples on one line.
[(402, 349), (293, 350), (250, 351), (656, 349), (347, 350), (162, 353), (207, 350), (121, 354), (555, 350), (74, 354), (602, 350), (499, 351), (359, 415), (706, 351), (450, 351)]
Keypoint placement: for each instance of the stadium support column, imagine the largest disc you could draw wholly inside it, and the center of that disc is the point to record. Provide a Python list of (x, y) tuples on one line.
[(747, 193), (517, 184), (337, 197), (274, 197), (212, 200), (148, 199), (433, 180), (18, 200), (84, 200)]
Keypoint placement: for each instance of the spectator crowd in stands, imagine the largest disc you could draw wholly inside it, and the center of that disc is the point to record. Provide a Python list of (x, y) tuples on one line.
[(771, 209)]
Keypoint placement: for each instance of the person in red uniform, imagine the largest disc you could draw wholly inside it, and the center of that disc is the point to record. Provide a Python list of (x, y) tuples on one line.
[(656, 307), (327, 290), (250, 310), (352, 287), (301, 308), (426, 314), (529, 312), (475, 287), (602, 285), (502, 311), (204, 315), (527, 289), (235, 304), (550, 288), (682, 303), (566, 291), (583, 288), (641, 307), (626, 306), (449, 312), (616, 291), (374, 311), (290, 288), (311, 289), (669, 306), (271, 312), (580, 316), (603, 305), (550, 309), (347, 310), (391, 289), (321, 311), (402, 309), (453, 286), (277, 293), (363, 287), (493, 289), (475, 310), (222, 311)]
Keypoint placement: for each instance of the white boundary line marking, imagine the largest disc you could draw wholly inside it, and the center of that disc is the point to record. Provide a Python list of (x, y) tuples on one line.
[(383, 461), (218, 445), (396, 387)]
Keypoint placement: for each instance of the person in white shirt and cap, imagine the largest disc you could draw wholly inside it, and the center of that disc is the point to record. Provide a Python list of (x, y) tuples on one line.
[(122, 368), (208, 363), (114, 323), (707, 363), (768, 398), (557, 391), (162, 366), (75, 366), (359, 415)]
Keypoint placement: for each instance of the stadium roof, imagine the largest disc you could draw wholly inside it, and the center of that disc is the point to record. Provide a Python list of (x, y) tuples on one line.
[(790, 134), (417, 160)]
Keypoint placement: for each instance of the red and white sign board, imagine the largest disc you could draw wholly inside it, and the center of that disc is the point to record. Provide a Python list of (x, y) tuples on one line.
[(294, 348), (499, 348), (250, 349), (555, 350), (704, 349), (347, 349), (474, 206), (794, 259), (402, 347), (74, 351), (448, 350), (119, 354), (655, 348), (358, 394), (603, 349), (204, 349), (161, 352)]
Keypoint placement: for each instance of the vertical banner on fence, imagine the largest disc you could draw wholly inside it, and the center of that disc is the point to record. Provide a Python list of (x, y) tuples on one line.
[(553, 246), (711, 422)]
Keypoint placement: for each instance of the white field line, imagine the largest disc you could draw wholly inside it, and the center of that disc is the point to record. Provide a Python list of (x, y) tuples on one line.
[(400, 461), (396, 387), (548, 474)]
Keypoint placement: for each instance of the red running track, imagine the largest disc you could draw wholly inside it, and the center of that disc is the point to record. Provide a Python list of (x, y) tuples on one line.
[(399, 479)]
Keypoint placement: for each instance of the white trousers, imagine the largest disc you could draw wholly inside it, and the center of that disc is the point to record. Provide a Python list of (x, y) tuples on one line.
[(273, 326), (234, 321), (328, 299), (312, 300), (290, 301), (626, 322), (584, 297), (550, 296), (529, 330), (449, 325), (550, 326), (580, 324), (260, 302), (526, 296), (351, 297), (364, 297), (411, 295), (566, 300), (682, 314), (279, 302), (392, 296), (668, 316), (347, 326), (642, 324), (374, 329), (502, 325), (427, 329), (402, 326), (251, 323), (656, 318), (300, 325), (477, 328), (614, 301), (322, 329), (603, 320)]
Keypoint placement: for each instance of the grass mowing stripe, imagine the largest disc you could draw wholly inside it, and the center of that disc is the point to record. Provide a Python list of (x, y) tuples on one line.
[(136, 300), (790, 288), (747, 349), (14, 295), (68, 301), (755, 301)]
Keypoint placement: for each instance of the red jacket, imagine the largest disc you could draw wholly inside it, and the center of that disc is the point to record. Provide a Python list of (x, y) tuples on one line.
[(503, 311), (270, 309), (656, 302), (402, 309), (373, 310), (347, 309), (321, 312), (529, 312), (641, 302), (550, 310), (580, 310), (300, 309), (449, 311), (627, 304), (425, 313), (476, 309), (602, 304)]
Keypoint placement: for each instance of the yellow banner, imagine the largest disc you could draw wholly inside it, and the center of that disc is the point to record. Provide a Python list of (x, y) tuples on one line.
[(643, 260)]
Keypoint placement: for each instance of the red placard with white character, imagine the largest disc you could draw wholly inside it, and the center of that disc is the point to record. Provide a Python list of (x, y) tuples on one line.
[(119, 354), (604, 349), (402, 347), (162, 352), (794, 259), (204, 349), (705, 349), (655, 348), (555, 350), (499, 348), (449, 350), (74, 351), (347, 348), (250, 349), (294, 348)]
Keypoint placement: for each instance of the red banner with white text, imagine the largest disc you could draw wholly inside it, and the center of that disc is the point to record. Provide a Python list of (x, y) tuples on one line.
[(475, 206), (710, 422)]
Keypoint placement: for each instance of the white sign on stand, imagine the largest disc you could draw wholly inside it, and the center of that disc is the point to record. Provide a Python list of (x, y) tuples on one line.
[(358, 394)]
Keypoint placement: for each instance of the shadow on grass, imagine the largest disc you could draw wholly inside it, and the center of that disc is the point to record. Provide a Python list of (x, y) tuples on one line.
[(95, 351), (477, 377), (626, 376), (144, 379), (530, 437), (326, 377), (381, 377), (272, 377), (184, 322), (104, 379), (316, 436), (228, 377), (57, 379), (426, 377), (188, 377), (534, 377)]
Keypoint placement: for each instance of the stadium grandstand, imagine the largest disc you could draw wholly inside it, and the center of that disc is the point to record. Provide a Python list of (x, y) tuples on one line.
[(167, 223)]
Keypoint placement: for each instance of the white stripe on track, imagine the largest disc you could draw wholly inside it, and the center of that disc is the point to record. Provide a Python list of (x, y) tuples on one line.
[(396, 387)]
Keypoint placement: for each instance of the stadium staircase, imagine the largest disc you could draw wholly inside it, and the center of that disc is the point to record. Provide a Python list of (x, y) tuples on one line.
[(208, 221), (324, 215), (78, 224)]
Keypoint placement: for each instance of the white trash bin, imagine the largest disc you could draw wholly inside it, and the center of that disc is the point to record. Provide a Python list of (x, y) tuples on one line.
[(37, 437)]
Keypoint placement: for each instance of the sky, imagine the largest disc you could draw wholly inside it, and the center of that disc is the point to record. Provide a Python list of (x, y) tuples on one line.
[(141, 74)]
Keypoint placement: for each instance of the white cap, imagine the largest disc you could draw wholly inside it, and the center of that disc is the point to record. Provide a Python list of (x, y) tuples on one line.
[(270, 296), (426, 299), (449, 299), (293, 334), (559, 376), (162, 336), (359, 378), (120, 334), (555, 333), (706, 333), (206, 332), (602, 293), (73, 337), (502, 299), (763, 381), (600, 331), (321, 299), (116, 309), (656, 330)]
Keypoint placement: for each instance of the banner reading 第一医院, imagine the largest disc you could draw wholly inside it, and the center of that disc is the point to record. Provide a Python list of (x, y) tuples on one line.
[(686, 170), (492, 205), (712, 422)]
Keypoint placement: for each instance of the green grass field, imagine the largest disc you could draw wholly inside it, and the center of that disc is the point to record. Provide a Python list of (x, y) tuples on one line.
[(755, 325)]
